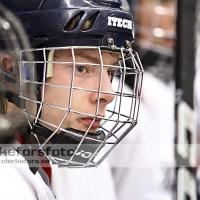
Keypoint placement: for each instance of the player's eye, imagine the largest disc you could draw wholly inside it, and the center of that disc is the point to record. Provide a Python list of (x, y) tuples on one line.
[(81, 69)]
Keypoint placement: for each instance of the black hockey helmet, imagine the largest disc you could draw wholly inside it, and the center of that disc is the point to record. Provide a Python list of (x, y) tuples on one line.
[(50, 23)]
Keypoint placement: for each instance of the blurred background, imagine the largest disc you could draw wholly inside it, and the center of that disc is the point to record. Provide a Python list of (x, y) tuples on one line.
[(147, 164), (150, 165), (145, 169), (155, 24)]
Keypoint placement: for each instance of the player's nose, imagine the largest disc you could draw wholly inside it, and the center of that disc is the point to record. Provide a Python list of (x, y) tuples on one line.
[(106, 92)]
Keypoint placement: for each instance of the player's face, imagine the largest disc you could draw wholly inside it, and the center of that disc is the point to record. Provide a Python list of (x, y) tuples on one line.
[(78, 100)]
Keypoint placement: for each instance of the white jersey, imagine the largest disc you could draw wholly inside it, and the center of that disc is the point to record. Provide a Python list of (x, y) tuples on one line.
[(143, 162), (18, 182), (83, 184)]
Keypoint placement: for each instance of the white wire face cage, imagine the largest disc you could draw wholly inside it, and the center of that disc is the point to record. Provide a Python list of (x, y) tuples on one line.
[(155, 24), (81, 108)]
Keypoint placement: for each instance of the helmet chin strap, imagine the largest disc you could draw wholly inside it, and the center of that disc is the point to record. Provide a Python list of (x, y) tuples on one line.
[(15, 99), (63, 146)]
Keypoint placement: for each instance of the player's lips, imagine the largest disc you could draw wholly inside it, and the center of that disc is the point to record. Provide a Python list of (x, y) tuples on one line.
[(88, 121)]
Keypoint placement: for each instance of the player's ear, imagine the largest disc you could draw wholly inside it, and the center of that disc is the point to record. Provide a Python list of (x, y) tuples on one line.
[(7, 63), (9, 72)]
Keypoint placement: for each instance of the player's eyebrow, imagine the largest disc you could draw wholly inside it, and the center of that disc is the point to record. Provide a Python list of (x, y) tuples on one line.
[(95, 59)]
